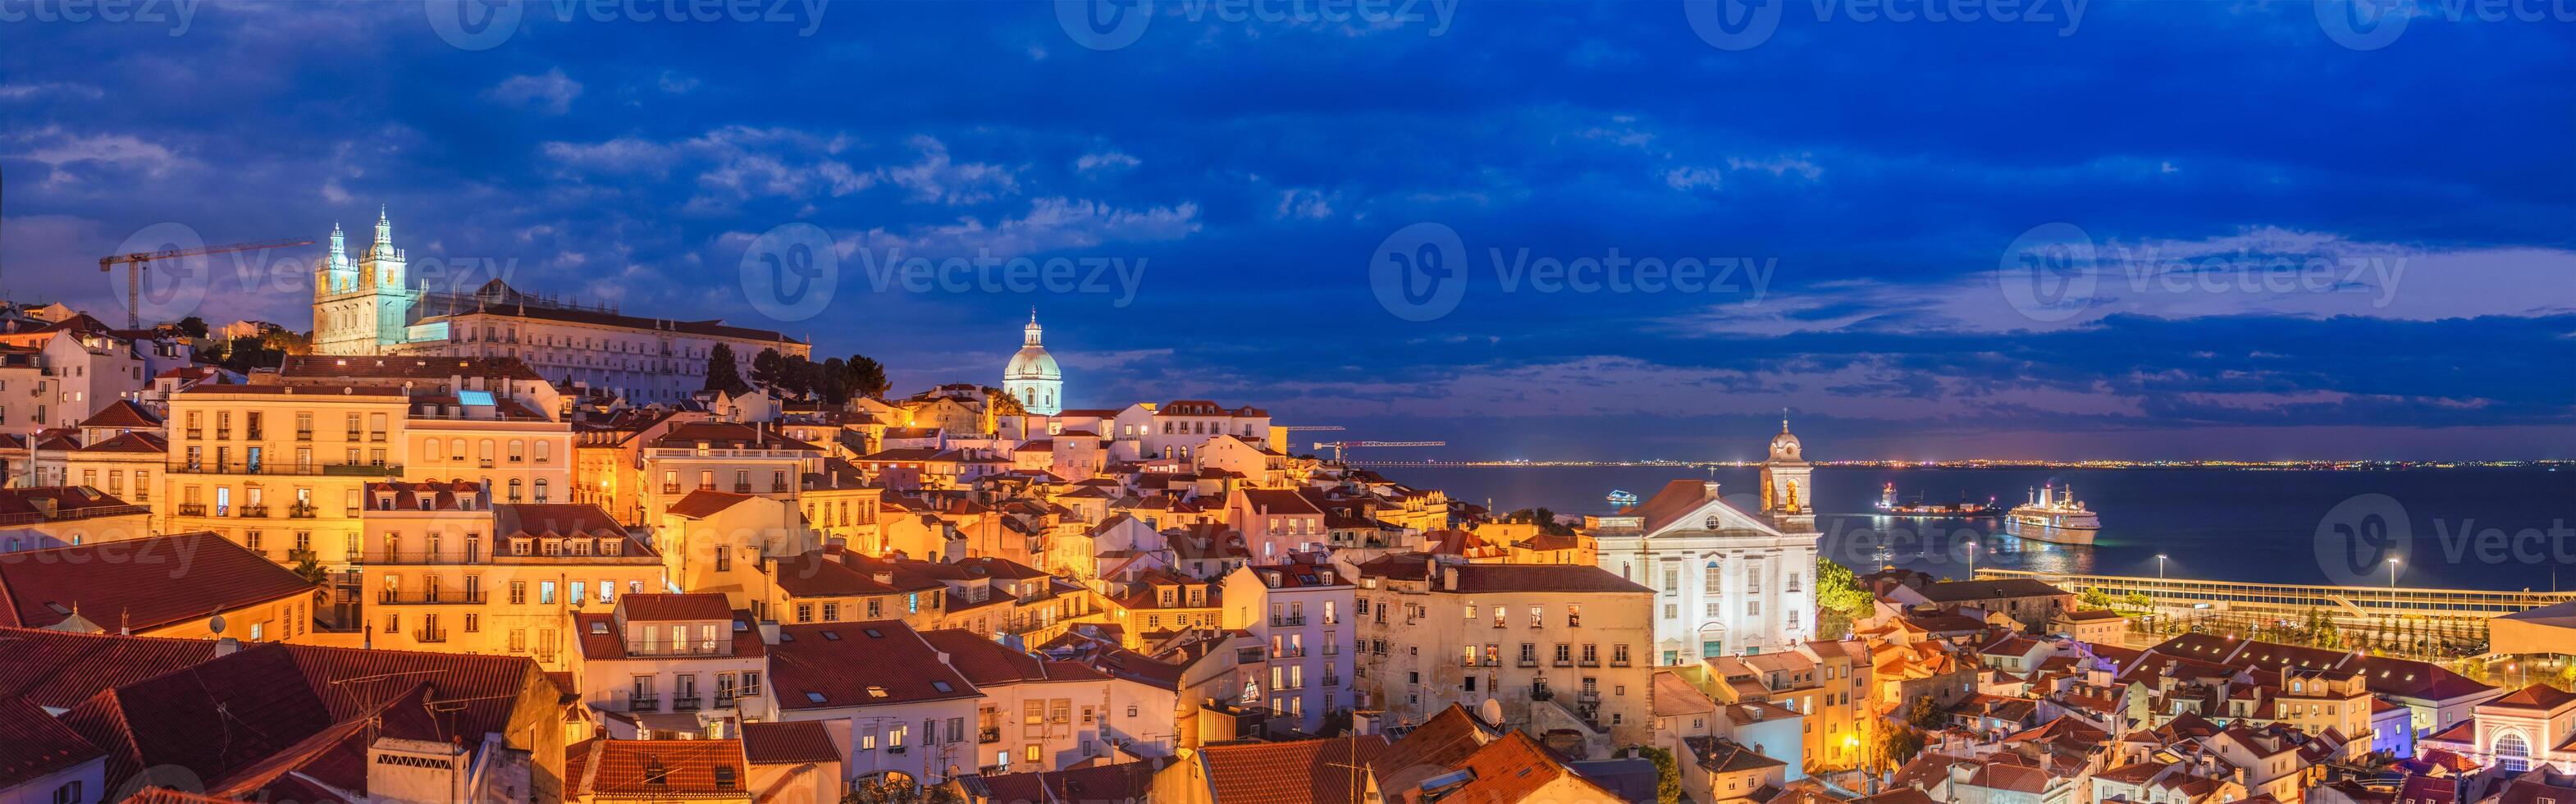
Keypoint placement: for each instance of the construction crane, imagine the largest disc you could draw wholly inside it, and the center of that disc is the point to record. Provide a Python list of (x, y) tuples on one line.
[(1312, 427), (1338, 446), (140, 260)]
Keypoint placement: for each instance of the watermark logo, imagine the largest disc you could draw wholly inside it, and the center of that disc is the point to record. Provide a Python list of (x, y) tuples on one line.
[(1116, 277), (170, 288), (2362, 24), (1734, 24), (1746, 24), (1421, 272), (790, 272), (1104, 24), (474, 24), (2364, 541), (485, 24), (2047, 272), (177, 15), (1116, 24)]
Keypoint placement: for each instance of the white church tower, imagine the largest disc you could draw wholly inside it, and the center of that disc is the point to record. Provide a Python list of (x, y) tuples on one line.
[(1032, 376), (1786, 494), (360, 308), (1726, 581)]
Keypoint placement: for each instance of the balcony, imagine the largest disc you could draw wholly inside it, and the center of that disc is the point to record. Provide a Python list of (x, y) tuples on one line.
[(253, 434), (301, 511), (255, 511), (303, 435), (1541, 694), (355, 435), (643, 702), (1288, 653), (670, 488), (1563, 662), (988, 734), (429, 635), (1527, 661), (222, 434), (1618, 662), (742, 488), (684, 703), (1288, 622), (1332, 681), (718, 648), (434, 597), (725, 700), (266, 468), (192, 509), (1589, 662)]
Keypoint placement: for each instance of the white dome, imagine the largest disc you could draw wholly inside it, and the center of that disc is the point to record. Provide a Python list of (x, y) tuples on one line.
[(1032, 363), (1784, 446)]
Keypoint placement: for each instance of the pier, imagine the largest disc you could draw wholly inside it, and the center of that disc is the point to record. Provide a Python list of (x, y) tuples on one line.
[(2347, 605)]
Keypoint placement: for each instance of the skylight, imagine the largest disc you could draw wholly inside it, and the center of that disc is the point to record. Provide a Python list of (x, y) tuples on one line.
[(942, 686), (814, 697)]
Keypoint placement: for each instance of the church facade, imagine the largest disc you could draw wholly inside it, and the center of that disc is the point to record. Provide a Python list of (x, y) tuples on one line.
[(366, 306), (1726, 581)]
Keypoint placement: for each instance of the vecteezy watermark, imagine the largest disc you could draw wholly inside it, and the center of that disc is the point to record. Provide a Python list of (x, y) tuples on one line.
[(2374, 24), (790, 272), (1115, 24), (485, 24), (1746, 24), (177, 272), (163, 288), (1421, 272), (2056, 271), (179, 15), (1116, 277), (2364, 539)]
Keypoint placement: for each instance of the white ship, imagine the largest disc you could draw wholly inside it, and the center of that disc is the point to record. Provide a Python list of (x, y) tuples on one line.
[(2053, 516)]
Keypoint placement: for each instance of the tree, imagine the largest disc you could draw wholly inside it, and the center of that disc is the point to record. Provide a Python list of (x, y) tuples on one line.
[(1668, 775), (722, 374), (765, 368), (1003, 403), (309, 567), (883, 791), (1925, 714), (1839, 598), (1899, 746), (864, 377), (246, 353), (832, 381), (194, 326), (1544, 518), (796, 376)]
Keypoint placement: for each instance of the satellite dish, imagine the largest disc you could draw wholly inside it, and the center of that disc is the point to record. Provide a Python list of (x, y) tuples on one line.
[(215, 624), (1491, 710)]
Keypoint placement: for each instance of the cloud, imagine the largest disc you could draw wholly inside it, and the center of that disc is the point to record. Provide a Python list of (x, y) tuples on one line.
[(935, 178), (1104, 162), (1049, 225), (550, 93)]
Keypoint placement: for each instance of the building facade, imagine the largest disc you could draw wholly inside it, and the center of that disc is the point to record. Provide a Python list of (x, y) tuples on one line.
[(1032, 375), (1725, 581)]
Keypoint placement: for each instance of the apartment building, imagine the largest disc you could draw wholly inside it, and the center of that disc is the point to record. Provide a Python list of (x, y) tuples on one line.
[(1299, 609), (436, 583), (1559, 646), (723, 456), (668, 666)]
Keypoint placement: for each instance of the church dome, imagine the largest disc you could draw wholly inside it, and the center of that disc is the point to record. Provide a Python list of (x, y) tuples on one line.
[(1784, 446), (1032, 361)]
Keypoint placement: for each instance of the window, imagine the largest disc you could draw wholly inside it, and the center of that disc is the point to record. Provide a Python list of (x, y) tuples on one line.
[(69, 793), (1672, 580)]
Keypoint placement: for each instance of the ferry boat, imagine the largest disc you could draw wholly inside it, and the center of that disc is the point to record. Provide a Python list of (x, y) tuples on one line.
[(1888, 506), (2053, 516)]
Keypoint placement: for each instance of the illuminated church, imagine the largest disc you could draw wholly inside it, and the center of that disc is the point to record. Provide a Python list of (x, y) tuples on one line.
[(369, 306), (1726, 581), (1032, 375)]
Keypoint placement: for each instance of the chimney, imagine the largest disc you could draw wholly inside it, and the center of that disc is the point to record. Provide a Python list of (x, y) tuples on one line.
[(1711, 486), (1449, 579), (226, 646)]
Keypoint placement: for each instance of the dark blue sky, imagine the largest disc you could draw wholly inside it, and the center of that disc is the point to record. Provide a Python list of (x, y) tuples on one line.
[(2282, 245)]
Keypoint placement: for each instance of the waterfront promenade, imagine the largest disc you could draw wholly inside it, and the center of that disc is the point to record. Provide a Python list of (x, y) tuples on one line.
[(2346, 604)]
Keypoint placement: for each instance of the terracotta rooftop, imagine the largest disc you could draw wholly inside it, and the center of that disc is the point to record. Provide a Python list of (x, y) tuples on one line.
[(867, 663), (140, 583), (1300, 772), (655, 770)]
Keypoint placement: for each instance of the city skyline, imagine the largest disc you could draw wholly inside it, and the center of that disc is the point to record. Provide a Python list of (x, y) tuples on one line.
[(2282, 267)]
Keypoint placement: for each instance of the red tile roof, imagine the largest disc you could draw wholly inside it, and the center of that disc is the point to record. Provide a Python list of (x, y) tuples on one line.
[(874, 662), (1301, 772), (122, 414), (38, 743), (790, 742), (135, 442), (660, 607), (655, 769), (1513, 769), (140, 583), (58, 669), (704, 503)]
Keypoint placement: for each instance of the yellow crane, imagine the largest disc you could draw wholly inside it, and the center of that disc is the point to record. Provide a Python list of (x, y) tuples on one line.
[(140, 260)]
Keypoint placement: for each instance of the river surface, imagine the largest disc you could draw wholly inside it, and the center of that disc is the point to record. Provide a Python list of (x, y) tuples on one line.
[(2500, 529)]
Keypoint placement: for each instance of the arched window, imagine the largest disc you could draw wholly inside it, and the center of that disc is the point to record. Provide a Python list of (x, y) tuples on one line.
[(514, 490), (2512, 753), (545, 451)]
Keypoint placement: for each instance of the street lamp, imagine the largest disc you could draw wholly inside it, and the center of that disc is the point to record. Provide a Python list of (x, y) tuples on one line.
[(2392, 573), (2160, 566), (1972, 559)]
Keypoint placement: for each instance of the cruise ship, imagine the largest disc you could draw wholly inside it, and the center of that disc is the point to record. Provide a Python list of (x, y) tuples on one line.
[(2053, 516)]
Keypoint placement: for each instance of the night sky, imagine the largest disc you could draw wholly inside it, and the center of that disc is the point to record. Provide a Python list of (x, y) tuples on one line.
[(2133, 230)]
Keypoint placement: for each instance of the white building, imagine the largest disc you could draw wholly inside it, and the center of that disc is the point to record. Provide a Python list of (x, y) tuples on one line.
[(1032, 375), (368, 306), (1725, 581)]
